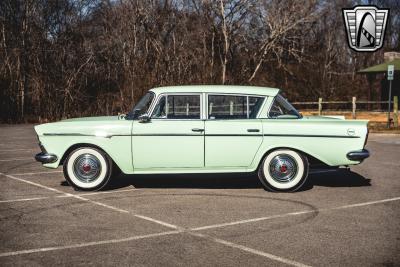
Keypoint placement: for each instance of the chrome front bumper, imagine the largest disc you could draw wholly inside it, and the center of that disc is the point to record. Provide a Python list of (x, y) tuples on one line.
[(45, 157), (358, 155)]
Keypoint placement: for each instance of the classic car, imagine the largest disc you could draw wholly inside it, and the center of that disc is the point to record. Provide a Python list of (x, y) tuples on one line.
[(203, 129)]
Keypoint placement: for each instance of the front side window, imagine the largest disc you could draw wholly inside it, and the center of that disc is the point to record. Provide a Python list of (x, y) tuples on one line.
[(282, 109), (142, 106), (233, 107), (177, 107)]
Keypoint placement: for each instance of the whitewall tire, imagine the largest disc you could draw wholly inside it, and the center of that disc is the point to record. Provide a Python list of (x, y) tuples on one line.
[(87, 169), (283, 170)]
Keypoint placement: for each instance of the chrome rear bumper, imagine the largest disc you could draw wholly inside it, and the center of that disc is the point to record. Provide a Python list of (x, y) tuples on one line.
[(45, 157), (358, 155)]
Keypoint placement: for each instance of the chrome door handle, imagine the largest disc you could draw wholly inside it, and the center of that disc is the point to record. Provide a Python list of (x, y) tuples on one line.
[(197, 130), (253, 130)]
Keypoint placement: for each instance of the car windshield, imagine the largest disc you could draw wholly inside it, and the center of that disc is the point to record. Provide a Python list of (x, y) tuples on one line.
[(142, 106), (282, 109)]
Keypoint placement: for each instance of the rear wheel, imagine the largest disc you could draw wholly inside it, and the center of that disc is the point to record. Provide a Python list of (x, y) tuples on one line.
[(87, 169), (283, 170)]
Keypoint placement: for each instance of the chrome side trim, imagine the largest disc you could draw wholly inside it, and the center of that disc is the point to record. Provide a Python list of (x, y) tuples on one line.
[(311, 135), (67, 134), (78, 134), (178, 134), (199, 134)]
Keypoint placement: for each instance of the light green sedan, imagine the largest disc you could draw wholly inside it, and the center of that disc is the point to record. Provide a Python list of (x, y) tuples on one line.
[(203, 129)]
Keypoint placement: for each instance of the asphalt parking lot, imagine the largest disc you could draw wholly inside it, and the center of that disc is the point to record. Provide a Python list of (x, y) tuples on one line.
[(341, 217)]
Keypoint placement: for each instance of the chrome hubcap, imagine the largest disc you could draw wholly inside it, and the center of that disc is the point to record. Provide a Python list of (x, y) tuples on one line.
[(87, 168), (283, 168)]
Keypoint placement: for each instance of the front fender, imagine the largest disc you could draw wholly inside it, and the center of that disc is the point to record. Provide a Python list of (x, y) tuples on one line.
[(117, 147)]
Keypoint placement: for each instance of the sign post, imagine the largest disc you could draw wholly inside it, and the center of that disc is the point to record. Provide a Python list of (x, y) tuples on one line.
[(390, 74)]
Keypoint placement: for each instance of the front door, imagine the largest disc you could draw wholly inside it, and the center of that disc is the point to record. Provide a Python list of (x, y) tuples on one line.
[(174, 137)]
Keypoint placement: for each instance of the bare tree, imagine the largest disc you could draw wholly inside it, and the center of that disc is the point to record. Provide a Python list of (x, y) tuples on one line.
[(285, 23), (224, 57), (72, 58)]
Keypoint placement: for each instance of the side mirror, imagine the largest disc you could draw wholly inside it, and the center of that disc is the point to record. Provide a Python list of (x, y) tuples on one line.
[(144, 118), (121, 116)]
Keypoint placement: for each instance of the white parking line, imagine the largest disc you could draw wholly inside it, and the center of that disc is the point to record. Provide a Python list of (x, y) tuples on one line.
[(34, 173), (212, 226), (19, 138), (9, 144), (89, 200), (17, 149), (251, 250), (88, 244), (31, 158), (35, 184), (22, 199), (180, 229), (108, 192), (99, 203), (294, 214), (67, 196), (363, 204), (158, 221), (177, 230)]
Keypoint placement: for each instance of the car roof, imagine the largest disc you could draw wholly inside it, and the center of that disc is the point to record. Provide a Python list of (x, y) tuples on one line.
[(221, 89)]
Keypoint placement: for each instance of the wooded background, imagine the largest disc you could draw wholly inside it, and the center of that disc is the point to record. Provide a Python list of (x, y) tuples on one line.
[(66, 58)]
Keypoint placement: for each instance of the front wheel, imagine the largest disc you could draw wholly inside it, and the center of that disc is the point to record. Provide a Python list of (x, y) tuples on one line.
[(283, 170), (87, 169)]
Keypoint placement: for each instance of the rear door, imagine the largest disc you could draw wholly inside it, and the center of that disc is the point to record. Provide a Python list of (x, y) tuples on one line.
[(233, 133)]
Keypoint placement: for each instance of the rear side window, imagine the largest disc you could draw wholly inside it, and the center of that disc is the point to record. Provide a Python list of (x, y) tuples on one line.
[(177, 107), (227, 107), (255, 104), (233, 107)]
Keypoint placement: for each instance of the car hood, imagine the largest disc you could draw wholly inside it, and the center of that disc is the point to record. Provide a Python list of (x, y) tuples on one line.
[(98, 126)]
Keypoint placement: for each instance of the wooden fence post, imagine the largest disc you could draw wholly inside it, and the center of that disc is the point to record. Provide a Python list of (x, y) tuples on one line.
[(319, 106), (354, 107), (396, 111)]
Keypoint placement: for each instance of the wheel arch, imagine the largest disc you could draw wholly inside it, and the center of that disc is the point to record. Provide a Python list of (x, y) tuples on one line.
[(312, 160), (78, 145)]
